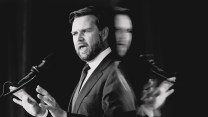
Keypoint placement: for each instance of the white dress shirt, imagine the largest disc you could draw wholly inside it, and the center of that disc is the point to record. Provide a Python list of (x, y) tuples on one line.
[(94, 63)]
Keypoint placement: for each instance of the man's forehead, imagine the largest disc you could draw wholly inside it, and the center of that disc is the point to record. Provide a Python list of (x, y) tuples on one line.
[(81, 22)]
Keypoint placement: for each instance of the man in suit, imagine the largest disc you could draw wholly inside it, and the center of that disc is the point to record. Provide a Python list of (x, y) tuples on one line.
[(104, 91)]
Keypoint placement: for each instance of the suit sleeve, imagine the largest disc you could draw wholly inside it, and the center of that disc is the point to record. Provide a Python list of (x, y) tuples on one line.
[(118, 98)]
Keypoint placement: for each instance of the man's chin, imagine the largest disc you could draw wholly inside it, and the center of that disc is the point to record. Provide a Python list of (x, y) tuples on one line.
[(83, 57)]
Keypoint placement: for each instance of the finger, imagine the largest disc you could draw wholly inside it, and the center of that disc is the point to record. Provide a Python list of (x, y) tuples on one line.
[(165, 85), (149, 100), (42, 105), (169, 92), (11, 88), (19, 102), (152, 93), (156, 92), (19, 93), (149, 90), (149, 84), (41, 90), (172, 79), (145, 94), (47, 100)]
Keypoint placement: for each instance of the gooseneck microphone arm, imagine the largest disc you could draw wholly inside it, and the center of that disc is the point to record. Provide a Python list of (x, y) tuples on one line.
[(34, 71), (155, 69)]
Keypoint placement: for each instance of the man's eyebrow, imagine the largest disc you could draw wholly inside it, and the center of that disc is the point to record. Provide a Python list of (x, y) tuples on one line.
[(87, 28), (73, 32), (90, 28)]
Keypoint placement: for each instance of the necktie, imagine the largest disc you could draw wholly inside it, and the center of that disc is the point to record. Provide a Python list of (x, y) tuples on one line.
[(83, 75)]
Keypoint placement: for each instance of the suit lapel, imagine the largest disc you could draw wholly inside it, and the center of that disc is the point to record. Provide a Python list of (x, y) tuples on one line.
[(95, 76), (70, 101)]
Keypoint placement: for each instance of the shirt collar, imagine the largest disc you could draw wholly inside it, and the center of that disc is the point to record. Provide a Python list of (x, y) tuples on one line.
[(96, 61)]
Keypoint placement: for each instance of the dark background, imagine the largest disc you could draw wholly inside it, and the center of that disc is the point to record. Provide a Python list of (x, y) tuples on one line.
[(32, 29)]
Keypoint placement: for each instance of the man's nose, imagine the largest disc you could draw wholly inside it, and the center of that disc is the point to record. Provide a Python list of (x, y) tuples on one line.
[(80, 37)]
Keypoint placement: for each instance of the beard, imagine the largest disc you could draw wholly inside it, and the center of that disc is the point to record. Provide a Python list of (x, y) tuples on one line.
[(90, 52)]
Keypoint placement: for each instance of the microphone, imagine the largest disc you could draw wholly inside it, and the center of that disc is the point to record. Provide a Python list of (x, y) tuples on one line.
[(155, 69), (34, 71)]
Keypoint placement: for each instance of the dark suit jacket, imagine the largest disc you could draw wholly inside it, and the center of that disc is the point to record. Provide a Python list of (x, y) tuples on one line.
[(137, 73), (106, 93)]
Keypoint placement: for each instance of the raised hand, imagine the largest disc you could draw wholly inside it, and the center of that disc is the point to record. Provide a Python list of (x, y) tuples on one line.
[(27, 102), (50, 103), (155, 96)]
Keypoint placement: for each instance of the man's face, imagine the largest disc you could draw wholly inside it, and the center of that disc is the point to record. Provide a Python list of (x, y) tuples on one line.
[(123, 33), (87, 41)]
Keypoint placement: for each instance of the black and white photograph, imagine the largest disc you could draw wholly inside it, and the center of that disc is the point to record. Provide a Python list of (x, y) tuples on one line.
[(100, 58)]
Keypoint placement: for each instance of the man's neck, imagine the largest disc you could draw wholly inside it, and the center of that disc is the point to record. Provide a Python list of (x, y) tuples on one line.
[(99, 57)]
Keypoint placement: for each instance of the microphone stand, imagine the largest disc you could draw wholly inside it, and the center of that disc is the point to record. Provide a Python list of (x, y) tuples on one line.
[(34, 71), (156, 70)]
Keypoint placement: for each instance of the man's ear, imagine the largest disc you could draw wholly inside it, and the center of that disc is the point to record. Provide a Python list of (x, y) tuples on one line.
[(104, 33)]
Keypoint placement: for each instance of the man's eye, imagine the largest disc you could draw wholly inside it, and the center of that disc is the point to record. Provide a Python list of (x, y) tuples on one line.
[(74, 33), (87, 30)]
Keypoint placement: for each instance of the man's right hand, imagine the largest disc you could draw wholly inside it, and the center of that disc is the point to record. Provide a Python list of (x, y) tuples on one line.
[(48, 102), (27, 102)]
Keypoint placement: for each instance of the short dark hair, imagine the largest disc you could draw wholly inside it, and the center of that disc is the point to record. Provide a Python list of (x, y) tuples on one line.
[(121, 10), (90, 10)]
